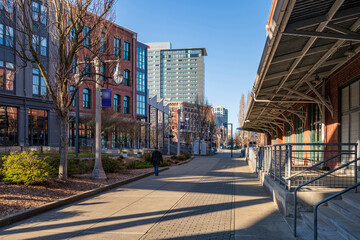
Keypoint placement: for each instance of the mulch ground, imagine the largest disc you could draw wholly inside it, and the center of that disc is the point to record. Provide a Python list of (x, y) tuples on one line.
[(15, 198)]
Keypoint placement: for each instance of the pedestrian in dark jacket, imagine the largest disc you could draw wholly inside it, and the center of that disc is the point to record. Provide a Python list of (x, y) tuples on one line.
[(156, 158)]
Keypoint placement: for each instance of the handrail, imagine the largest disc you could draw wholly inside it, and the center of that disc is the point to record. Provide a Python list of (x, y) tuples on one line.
[(319, 163), (317, 178), (326, 200)]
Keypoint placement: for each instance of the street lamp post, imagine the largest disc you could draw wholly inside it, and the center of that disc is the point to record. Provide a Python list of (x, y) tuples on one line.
[(98, 171), (231, 139)]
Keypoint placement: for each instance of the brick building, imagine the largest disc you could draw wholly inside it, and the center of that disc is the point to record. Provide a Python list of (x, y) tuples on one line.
[(120, 44), (305, 100), (26, 111), (188, 117), (307, 89)]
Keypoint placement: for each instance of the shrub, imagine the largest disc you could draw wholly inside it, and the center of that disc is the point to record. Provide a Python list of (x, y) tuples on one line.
[(75, 166), (138, 165), (110, 164), (131, 165), (187, 155), (25, 168), (146, 157), (164, 164), (181, 157)]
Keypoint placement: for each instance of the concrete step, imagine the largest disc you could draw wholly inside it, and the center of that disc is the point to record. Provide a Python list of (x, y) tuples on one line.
[(348, 228), (325, 231), (348, 210), (352, 198)]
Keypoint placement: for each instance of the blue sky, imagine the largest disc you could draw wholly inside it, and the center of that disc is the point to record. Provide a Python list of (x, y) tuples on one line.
[(232, 31)]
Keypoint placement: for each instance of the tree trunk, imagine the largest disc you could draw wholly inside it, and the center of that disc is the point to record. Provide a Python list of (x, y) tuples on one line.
[(63, 147)]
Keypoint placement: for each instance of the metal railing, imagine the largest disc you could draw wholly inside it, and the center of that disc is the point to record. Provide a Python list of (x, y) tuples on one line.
[(293, 164), (355, 183), (328, 199)]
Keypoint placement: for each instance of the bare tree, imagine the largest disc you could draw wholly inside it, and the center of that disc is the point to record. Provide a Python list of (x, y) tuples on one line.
[(73, 27), (241, 116)]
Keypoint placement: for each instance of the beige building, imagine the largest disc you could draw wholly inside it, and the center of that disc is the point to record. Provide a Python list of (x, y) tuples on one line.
[(176, 74)]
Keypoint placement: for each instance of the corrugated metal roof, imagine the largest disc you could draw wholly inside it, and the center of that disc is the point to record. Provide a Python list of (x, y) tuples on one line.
[(291, 63)]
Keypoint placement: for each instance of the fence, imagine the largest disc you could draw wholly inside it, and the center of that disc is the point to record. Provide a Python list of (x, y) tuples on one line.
[(293, 164)]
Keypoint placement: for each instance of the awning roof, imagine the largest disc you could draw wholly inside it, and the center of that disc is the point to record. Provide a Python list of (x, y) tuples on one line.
[(307, 41)]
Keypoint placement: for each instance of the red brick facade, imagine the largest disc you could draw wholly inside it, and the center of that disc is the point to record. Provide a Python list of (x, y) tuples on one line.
[(344, 74)]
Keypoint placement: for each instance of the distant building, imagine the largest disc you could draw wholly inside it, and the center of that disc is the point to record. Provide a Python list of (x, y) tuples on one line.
[(221, 117), (188, 116), (176, 74)]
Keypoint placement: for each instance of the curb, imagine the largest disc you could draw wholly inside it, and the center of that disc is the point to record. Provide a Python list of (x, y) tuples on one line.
[(5, 221)]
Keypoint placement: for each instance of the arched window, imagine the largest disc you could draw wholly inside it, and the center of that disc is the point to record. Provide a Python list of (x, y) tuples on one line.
[(117, 103), (126, 105), (86, 98)]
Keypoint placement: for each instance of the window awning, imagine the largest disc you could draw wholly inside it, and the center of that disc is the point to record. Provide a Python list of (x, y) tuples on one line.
[(307, 42)]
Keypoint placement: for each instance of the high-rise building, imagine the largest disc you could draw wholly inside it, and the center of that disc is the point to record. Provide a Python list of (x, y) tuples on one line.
[(221, 118), (176, 74)]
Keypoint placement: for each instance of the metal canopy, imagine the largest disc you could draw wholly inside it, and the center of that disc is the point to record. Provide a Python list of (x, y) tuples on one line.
[(307, 41)]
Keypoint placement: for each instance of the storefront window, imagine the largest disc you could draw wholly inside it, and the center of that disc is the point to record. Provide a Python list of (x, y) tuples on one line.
[(38, 127), (8, 126)]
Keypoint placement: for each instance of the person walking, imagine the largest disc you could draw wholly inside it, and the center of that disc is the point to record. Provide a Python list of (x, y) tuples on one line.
[(156, 158)]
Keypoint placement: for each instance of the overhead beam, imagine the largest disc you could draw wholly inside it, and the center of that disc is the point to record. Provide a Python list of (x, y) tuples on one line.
[(348, 13), (305, 68), (334, 36), (340, 29), (294, 55)]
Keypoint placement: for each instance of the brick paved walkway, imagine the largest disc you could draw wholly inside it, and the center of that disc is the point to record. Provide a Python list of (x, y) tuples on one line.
[(208, 198), (197, 213)]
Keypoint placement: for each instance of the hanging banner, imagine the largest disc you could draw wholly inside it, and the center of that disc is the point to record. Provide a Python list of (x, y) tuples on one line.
[(182, 125), (105, 97)]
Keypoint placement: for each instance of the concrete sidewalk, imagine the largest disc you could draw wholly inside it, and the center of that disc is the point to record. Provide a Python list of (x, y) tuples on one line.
[(208, 198)]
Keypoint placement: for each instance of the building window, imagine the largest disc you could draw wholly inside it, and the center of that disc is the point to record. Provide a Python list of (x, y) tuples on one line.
[(87, 37), (39, 12), (126, 77), (140, 82), (127, 51), (8, 5), (102, 42), (117, 103), (140, 105), (73, 65), (7, 76), (1, 34), (39, 86), (126, 105), (86, 98), (141, 58), (103, 72), (40, 45), (38, 121), (87, 67), (86, 135), (8, 126), (117, 46), (9, 36)]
